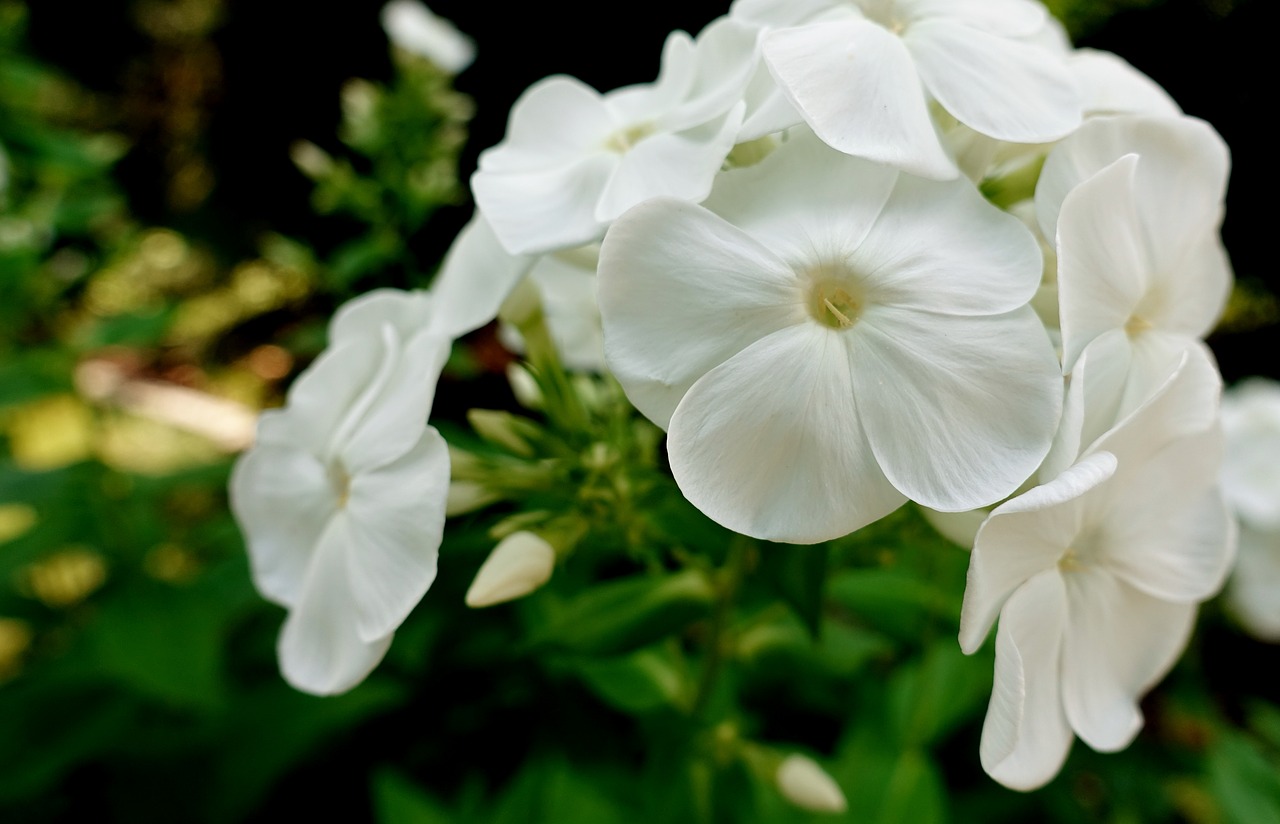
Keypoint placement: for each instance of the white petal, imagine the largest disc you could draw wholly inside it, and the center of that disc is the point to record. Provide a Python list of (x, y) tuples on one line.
[(1254, 593), (1184, 403), (1013, 18), (282, 499), (407, 312), (543, 210), (777, 13), (646, 102), (319, 648), (1172, 545), (1119, 642), (769, 443), (681, 291), (1022, 538), (856, 85), (1102, 263), (959, 410), (1025, 737), (392, 420), (320, 401), (1180, 181), (806, 202), (475, 278), (395, 517), (1251, 467), (1193, 283), (681, 165), (1112, 86), (977, 260), (557, 121), (1004, 88)]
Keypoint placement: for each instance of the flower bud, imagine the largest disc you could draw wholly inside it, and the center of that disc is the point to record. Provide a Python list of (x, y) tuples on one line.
[(805, 784), (519, 564), (468, 496)]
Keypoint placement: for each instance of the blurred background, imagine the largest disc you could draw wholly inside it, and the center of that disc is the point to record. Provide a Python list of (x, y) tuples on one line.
[(187, 190)]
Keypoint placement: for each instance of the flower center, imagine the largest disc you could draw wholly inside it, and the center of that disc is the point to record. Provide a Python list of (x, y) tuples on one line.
[(1136, 325), (886, 13), (834, 302), (341, 483), (623, 140)]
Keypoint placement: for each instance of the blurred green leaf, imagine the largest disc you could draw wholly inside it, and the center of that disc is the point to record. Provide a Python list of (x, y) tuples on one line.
[(396, 800), (549, 789), (168, 642), (798, 574), (887, 785), (617, 616), (895, 601), (945, 688), (644, 681), (1244, 781)]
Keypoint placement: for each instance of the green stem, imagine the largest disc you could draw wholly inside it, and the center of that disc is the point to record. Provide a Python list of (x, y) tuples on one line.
[(729, 580)]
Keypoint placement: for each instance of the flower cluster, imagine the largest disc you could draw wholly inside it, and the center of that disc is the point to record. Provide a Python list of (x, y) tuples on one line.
[(847, 254)]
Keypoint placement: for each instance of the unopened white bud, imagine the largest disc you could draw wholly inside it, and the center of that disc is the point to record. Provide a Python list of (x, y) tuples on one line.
[(415, 28), (468, 496), (311, 159), (524, 387), (805, 784), (519, 564)]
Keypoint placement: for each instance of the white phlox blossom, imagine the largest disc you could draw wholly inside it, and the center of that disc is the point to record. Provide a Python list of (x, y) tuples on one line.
[(566, 285), (1251, 483), (415, 28), (1108, 86), (341, 499), (1095, 576), (574, 159), (1134, 204), (828, 338), (864, 73)]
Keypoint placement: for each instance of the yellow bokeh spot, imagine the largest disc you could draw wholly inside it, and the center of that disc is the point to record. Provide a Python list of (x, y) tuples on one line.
[(16, 520), (51, 432), (15, 638), (64, 578)]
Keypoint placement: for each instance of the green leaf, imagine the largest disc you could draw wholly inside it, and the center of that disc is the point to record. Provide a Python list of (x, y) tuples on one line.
[(896, 602), (275, 728), (641, 682), (798, 574), (618, 616), (1245, 783), (168, 642), (887, 785), (32, 374), (549, 789), (396, 800), (939, 692)]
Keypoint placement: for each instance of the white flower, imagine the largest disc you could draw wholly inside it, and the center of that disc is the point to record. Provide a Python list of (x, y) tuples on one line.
[(863, 73), (829, 338), (566, 285), (413, 27), (518, 565), (1134, 204), (1096, 576), (1251, 470), (1251, 483), (573, 159), (342, 498)]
